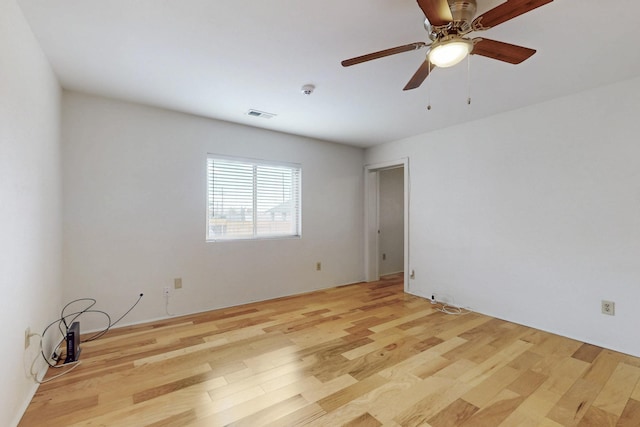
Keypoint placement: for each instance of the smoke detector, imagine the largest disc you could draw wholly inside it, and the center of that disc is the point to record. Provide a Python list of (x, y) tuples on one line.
[(307, 89)]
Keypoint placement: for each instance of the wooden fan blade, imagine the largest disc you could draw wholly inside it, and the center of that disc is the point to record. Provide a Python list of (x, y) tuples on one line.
[(383, 53), (506, 11), (436, 11), (501, 51), (420, 75)]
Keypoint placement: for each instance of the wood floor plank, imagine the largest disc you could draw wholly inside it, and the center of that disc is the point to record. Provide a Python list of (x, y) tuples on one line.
[(574, 403), (466, 322), (635, 394), (481, 394), (496, 411), (618, 389), (600, 370), (377, 344), (356, 355), (454, 415), (630, 414), (587, 352), (429, 367), (534, 407), (301, 417), (546, 422), (595, 417), (261, 402), (526, 360), (364, 420), (401, 320), (425, 400), (527, 382), (350, 393), (329, 388), (488, 367), (385, 394), (272, 413), (564, 374), (115, 413)]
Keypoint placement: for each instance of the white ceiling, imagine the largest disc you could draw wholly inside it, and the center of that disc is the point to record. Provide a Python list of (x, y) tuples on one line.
[(220, 58)]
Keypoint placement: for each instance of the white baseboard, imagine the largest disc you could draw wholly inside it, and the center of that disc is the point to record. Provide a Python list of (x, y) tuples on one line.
[(25, 404)]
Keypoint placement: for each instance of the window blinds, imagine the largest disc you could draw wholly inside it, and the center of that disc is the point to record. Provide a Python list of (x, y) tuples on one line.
[(249, 199)]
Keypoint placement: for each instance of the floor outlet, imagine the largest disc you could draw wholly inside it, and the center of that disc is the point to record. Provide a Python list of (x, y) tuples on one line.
[(608, 307)]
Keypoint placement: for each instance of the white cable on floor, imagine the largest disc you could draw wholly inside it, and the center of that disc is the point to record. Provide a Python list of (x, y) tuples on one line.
[(450, 308), (34, 375), (166, 306)]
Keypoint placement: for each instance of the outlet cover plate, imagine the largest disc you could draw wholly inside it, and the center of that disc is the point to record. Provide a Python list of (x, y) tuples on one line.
[(608, 307)]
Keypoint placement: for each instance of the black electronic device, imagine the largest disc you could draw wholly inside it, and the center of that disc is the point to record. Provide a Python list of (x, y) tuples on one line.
[(73, 343)]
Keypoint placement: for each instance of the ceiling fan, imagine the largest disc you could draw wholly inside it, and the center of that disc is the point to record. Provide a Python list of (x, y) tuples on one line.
[(449, 23)]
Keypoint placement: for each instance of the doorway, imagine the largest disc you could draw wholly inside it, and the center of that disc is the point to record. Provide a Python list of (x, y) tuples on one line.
[(390, 221), (387, 219)]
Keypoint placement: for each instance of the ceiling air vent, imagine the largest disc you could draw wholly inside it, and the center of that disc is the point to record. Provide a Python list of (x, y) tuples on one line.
[(263, 114)]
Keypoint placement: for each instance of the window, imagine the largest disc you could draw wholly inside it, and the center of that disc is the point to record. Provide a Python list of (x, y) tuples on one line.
[(251, 199)]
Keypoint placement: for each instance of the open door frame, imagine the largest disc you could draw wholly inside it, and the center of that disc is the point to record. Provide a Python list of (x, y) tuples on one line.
[(371, 212)]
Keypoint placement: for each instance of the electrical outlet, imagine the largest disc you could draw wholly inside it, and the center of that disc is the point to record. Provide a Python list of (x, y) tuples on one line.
[(608, 307), (318, 266), (165, 291), (177, 283), (412, 275), (27, 338)]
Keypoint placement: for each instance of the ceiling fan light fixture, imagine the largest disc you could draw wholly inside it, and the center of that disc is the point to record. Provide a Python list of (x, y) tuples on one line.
[(449, 52)]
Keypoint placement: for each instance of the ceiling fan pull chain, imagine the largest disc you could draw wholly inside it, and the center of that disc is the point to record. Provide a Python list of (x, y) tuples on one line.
[(429, 86), (468, 79)]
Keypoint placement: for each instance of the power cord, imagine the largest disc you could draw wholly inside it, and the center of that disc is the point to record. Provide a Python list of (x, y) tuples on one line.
[(34, 375), (452, 309), (63, 320), (449, 308), (166, 306)]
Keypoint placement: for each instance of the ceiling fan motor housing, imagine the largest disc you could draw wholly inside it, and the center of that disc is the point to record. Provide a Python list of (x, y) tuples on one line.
[(462, 12)]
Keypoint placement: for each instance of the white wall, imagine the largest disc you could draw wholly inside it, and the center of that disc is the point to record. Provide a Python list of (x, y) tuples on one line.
[(534, 215), (30, 212), (391, 219), (134, 212)]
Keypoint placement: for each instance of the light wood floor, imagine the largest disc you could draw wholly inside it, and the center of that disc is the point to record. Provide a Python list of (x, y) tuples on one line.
[(358, 355)]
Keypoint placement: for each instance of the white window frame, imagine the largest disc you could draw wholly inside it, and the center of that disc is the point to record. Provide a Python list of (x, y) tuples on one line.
[(295, 191)]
